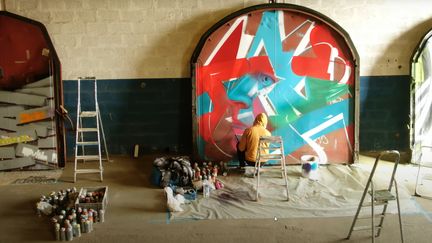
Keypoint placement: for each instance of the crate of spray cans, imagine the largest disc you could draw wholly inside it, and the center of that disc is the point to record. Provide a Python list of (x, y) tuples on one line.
[(92, 198), (70, 220)]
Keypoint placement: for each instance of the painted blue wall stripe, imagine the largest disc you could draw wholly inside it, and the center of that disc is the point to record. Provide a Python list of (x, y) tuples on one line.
[(156, 113)]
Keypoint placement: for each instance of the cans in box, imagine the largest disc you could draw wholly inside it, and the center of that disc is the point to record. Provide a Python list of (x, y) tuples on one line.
[(92, 198)]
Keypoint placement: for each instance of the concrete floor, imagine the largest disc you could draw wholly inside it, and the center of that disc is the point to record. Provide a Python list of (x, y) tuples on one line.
[(137, 213)]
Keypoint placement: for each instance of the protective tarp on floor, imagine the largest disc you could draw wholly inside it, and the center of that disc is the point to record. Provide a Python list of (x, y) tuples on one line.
[(336, 193)]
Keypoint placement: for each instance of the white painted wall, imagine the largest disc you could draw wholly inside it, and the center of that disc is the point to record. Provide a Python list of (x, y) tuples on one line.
[(115, 39)]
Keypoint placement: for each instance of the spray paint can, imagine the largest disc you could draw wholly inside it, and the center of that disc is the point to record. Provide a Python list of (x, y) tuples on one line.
[(57, 231), (206, 189), (95, 216), (87, 226), (83, 228), (60, 219), (101, 215), (70, 218), (90, 215), (74, 217), (78, 230), (90, 225), (69, 234), (74, 232), (62, 234)]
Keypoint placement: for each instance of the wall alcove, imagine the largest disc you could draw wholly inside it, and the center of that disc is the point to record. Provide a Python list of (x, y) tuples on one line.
[(32, 130), (293, 63), (421, 99)]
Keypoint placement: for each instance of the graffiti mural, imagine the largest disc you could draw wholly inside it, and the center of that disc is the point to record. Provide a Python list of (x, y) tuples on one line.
[(294, 67), (31, 129), (421, 99)]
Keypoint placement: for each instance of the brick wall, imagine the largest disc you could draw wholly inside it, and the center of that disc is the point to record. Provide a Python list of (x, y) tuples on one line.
[(133, 41), (114, 39)]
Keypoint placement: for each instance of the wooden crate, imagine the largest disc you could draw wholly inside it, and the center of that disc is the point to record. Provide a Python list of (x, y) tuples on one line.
[(101, 203)]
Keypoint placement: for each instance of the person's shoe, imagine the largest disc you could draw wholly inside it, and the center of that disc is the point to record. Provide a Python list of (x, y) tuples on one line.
[(249, 172), (240, 169)]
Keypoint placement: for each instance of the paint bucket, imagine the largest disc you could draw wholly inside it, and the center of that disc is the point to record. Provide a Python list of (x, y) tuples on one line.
[(309, 166)]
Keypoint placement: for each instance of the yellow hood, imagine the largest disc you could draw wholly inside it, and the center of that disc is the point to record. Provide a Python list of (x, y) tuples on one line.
[(261, 119)]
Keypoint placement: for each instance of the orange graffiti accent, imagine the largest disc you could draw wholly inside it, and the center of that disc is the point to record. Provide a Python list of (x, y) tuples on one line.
[(33, 116)]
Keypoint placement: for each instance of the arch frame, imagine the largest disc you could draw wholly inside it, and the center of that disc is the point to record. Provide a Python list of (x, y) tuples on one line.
[(278, 6)]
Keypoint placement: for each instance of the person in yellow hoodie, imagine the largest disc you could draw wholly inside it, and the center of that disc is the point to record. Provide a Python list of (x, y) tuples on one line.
[(247, 148)]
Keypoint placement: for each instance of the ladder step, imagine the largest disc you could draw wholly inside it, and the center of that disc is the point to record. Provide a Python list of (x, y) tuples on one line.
[(369, 204), (88, 114), (87, 157), (368, 217), (272, 139), (88, 129), (366, 227), (272, 147), (88, 143), (383, 195), (271, 156), (88, 171)]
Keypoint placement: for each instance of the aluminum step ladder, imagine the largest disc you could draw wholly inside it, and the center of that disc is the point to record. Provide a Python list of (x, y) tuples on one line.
[(378, 198), (270, 148), (88, 129)]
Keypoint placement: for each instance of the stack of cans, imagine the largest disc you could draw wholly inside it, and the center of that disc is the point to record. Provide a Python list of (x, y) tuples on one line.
[(68, 222)]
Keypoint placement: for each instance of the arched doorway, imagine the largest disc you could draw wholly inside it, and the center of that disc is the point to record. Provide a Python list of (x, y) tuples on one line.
[(293, 63), (32, 131), (421, 99)]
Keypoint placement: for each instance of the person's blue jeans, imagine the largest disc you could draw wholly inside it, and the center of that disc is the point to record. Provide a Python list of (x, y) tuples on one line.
[(241, 158)]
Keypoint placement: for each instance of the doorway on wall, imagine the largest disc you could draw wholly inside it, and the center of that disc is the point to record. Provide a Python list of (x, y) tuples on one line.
[(421, 100), (31, 96), (292, 63)]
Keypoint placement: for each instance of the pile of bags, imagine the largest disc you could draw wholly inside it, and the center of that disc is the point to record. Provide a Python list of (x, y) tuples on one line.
[(181, 182), (172, 171)]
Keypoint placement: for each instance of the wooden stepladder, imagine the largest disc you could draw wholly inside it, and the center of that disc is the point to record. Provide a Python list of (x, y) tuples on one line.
[(379, 197), (88, 129)]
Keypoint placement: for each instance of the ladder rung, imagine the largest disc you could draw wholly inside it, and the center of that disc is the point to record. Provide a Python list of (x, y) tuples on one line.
[(88, 143), (271, 139), (271, 156), (383, 195), (91, 78), (87, 129), (88, 171), (88, 114), (366, 227), (87, 157), (272, 147), (369, 204), (368, 217)]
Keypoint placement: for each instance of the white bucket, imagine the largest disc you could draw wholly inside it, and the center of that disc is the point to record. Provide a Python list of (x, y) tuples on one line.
[(310, 164)]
